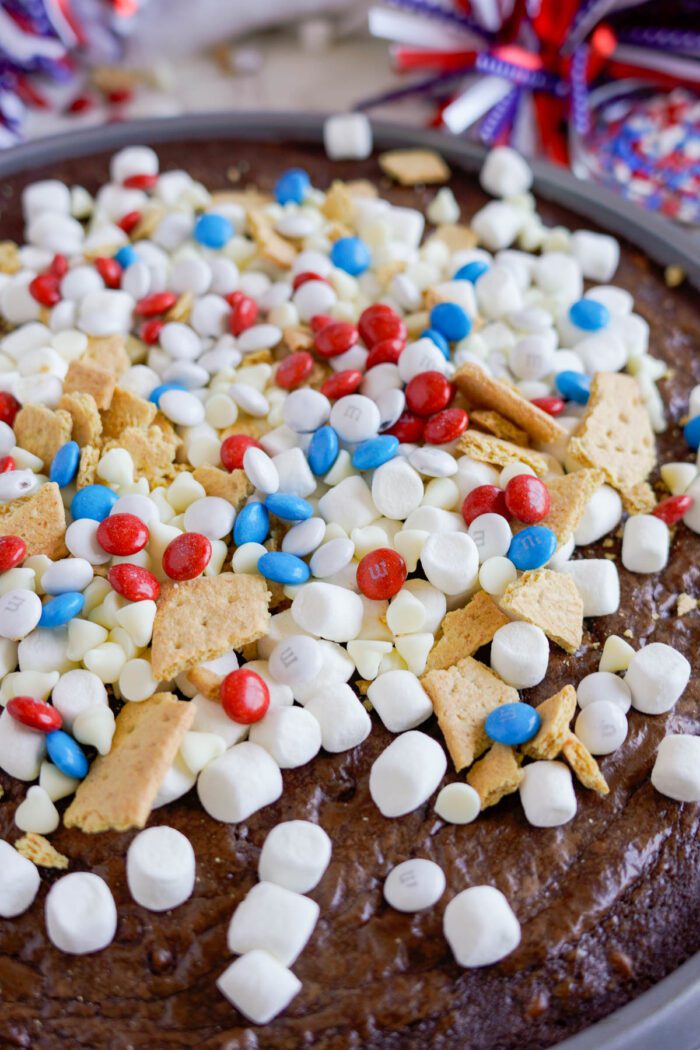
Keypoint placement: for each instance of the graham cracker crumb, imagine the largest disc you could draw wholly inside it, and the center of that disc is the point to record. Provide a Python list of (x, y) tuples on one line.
[(39, 519), (339, 205), (496, 775), (639, 499), (628, 633), (42, 431), (87, 467), (40, 851), (233, 487), (271, 246), (250, 199), (126, 410), (108, 352), (10, 260), (584, 765), (87, 425), (466, 630), (674, 276), (148, 223), (685, 604), (206, 682), (152, 451), (298, 337), (549, 600), (497, 452), (253, 426), (414, 167), (457, 237), (181, 308), (483, 391), (556, 714), (90, 379), (496, 424)]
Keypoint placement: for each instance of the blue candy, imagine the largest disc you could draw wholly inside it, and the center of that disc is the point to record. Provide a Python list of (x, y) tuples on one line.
[(352, 255), (64, 465), (532, 547), (471, 271), (252, 524), (213, 231), (283, 568), (451, 321), (66, 754), (574, 386), (94, 501), (292, 186), (62, 609), (126, 256), (288, 506), (158, 391), (323, 450), (372, 453), (691, 432), (439, 340), (513, 724), (589, 315)]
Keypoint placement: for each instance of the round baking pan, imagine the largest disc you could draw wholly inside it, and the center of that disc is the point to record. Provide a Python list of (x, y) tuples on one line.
[(666, 1015)]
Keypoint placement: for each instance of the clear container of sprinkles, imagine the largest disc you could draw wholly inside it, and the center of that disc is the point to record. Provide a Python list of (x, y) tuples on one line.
[(644, 144)]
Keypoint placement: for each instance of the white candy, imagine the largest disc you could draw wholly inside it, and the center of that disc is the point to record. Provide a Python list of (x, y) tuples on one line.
[(601, 727), (249, 399), (597, 254), (495, 574), (75, 692), (616, 656), (645, 543), (603, 352), (67, 574), (676, 771), (95, 726), (295, 855), (355, 418), (603, 513), (343, 719), (180, 341), (347, 136), (261, 471), (239, 783), (406, 773), (414, 885), (602, 685), (55, 783), (692, 518), (505, 173), (292, 735), (657, 676), (400, 700), (297, 658), (305, 410), (81, 916), (598, 584), (197, 750), (37, 813), (210, 717), (176, 783), (181, 407), (520, 654), (160, 868), (328, 611), (20, 612), (19, 882), (21, 749), (259, 337), (212, 516), (397, 489), (421, 356), (274, 919), (258, 986), (492, 536), (136, 681), (433, 601), (547, 794), (330, 558), (294, 472), (480, 927), (433, 462), (458, 803), (450, 562), (405, 614), (314, 297), (45, 195), (133, 160)]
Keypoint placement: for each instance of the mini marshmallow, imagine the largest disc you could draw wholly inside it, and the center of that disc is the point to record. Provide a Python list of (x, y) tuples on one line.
[(295, 855), (601, 727), (400, 700), (520, 654), (603, 513), (458, 803), (602, 685), (343, 719), (197, 750), (676, 771), (451, 562), (406, 773), (274, 919), (598, 584), (657, 676), (397, 489), (692, 518), (329, 611), (81, 916), (67, 574), (294, 472), (480, 927), (44, 651), (160, 868), (414, 885), (616, 656), (258, 986), (645, 543), (505, 173), (21, 749), (77, 691), (498, 293), (547, 794), (210, 717), (497, 225), (292, 735), (177, 782), (239, 783), (597, 254), (349, 504), (19, 881)]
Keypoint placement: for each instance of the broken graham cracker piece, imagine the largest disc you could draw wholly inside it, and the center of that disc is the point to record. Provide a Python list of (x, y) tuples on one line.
[(108, 352), (206, 682), (42, 431), (569, 496), (120, 788), (90, 379), (496, 424), (462, 697), (414, 167), (204, 618), (297, 337), (233, 487), (456, 236), (127, 410), (271, 246), (152, 451), (39, 519), (584, 765), (40, 851), (87, 425), (615, 434), (483, 391), (87, 467), (549, 600), (639, 499), (499, 453), (496, 775), (556, 714), (466, 630)]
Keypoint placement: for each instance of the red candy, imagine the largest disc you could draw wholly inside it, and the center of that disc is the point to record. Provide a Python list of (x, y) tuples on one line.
[(671, 510), (341, 384), (133, 582), (109, 270), (244, 313), (484, 499), (140, 182), (13, 550), (385, 352), (380, 322), (319, 321), (186, 556), (234, 448), (381, 574), (244, 696), (527, 499), (44, 288), (293, 370), (9, 407), (307, 275), (59, 266), (553, 406), (150, 330), (445, 426), (428, 392), (156, 303), (7, 464), (122, 534), (129, 221), (335, 338), (35, 714), (408, 428)]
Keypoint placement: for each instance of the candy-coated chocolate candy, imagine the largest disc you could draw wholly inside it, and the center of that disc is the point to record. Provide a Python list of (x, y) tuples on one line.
[(288, 506), (471, 271), (385, 352), (109, 270), (233, 449), (283, 568), (484, 499), (323, 450), (532, 548), (451, 321), (142, 181), (293, 370), (129, 222), (438, 339), (372, 453), (150, 330), (186, 556), (252, 524), (133, 582), (162, 388), (126, 256), (213, 231), (691, 432), (35, 714), (408, 428), (352, 255), (45, 289), (428, 392), (7, 464), (245, 696), (66, 754), (527, 498), (59, 265), (9, 407), (378, 323), (341, 384), (122, 534), (335, 338), (62, 609), (445, 426), (553, 406), (513, 724), (244, 313), (64, 465), (155, 303), (574, 386), (589, 314), (13, 550), (94, 501), (381, 574), (292, 186), (319, 320), (671, 510)]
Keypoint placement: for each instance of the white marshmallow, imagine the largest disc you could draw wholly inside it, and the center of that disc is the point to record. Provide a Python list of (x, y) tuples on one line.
[(81, 916), (657, 676), (458, 803), (239, 783), (645, 543), (406, 773), (598, 584), (547, 794), (21, 749), (37, 813), (676, 771), (349, 504), (397, 489), (480, 926), (328, 611), (176, 783), (520, 654), (603, 513), (258, 986), (294, 472), (692, 517), (77, 691), (19, 881), (274, 919), (498, 293), (347, 136), (451, 562), (597, 254), (497, 225), (292, 735), (414, 885), (67, 574), (400, 700), (160, 868), (343, 719), (505, 173), (602, 685), (295, 855)]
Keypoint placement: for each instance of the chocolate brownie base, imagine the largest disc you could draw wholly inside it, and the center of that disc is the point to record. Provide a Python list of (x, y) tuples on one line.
[(609, 904)]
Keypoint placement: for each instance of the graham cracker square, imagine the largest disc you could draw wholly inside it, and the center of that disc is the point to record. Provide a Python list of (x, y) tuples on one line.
[(39, 519), (549, 600), (90, 379), (233, 487), (42, 431), (466, 630), (496, 424), (108, 352), (87, 425), (414, 167), (126, 410)]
